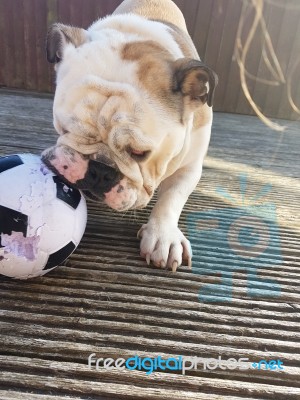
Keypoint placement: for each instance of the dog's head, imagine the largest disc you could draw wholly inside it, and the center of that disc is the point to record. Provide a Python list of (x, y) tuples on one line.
[(124, 113)]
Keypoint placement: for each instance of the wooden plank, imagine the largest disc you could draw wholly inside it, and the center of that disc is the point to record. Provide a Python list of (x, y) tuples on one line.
[(21, 395), (226, 64), (111, 308), (106, 300), (30, 59), (143, 334), (252, 60), (292, 71), (214, 37), (283, 47), (213, 26), (261, 92), (18, 56), (40, 10), (2, 45), (189, 383), (200, 30), (8, 71), (123, 391)]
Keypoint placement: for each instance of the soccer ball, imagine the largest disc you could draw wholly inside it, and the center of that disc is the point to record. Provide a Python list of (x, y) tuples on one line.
[(42, 220)]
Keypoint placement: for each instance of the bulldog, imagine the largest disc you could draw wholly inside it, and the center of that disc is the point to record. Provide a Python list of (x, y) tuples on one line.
[(133, 110)]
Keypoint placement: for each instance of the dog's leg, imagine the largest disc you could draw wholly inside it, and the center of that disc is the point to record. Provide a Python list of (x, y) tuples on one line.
[(162, 242)]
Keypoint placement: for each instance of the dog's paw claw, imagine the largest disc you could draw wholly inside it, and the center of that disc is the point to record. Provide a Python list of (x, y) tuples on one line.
[(148, 259), (164, 247), (174, 266)]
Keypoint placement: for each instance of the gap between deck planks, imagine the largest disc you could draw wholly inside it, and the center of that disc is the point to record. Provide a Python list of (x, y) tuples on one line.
[(105, 299)]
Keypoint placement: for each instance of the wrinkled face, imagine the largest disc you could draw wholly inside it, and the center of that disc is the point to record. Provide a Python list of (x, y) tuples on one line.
[(123, 125), (113, 147)]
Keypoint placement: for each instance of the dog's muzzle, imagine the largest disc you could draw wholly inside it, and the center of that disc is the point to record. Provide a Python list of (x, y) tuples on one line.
[(99, 179)]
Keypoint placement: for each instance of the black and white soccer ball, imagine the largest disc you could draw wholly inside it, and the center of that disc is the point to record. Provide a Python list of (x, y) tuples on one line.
[(42, 220)]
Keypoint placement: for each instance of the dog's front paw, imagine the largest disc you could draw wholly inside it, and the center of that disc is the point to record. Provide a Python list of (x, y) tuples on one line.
[(164, 246)]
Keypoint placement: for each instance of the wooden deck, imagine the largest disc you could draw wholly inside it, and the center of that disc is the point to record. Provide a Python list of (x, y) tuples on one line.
[(106, 300)]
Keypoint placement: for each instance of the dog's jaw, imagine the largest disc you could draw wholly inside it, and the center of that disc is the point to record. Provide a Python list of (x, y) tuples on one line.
[(121, 197)]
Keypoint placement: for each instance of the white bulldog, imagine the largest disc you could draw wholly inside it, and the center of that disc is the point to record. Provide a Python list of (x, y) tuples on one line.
[(133, 110)]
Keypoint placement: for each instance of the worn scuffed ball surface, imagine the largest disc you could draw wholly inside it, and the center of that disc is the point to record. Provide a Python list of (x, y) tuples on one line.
[(42, 220)]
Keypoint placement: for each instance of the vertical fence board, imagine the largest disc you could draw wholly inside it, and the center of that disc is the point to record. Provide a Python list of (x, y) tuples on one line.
[(7, 35), (200, 30), (288, 49), (252, 62), (214, 38), (190, 9), (274, 18), (294, 72), (40, 36), (225, 61), (52, 16), (18, 23), (30, 61), (274, 94), (212, 25)]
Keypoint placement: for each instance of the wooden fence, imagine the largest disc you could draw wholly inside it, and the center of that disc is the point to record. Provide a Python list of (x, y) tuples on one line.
[(213, 25)]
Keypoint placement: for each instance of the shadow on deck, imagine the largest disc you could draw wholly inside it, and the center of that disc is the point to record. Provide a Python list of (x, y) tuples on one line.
[(241, 299)]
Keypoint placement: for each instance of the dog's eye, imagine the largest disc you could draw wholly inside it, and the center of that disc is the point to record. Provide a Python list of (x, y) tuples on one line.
[(138, 155)]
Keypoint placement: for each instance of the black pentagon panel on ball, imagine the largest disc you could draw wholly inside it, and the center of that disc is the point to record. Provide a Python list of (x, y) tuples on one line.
[(60, 256), (10, 162), (12, 221), (70, 196)]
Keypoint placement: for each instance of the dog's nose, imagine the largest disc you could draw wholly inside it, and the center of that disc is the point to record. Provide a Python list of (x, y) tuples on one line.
[(99, 178)]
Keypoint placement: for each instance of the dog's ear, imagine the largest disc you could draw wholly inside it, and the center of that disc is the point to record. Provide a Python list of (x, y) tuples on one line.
[(59, 35), (195, 80)]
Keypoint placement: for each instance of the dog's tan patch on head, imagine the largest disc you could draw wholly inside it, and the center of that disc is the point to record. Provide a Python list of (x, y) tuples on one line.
[(155, 70)]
